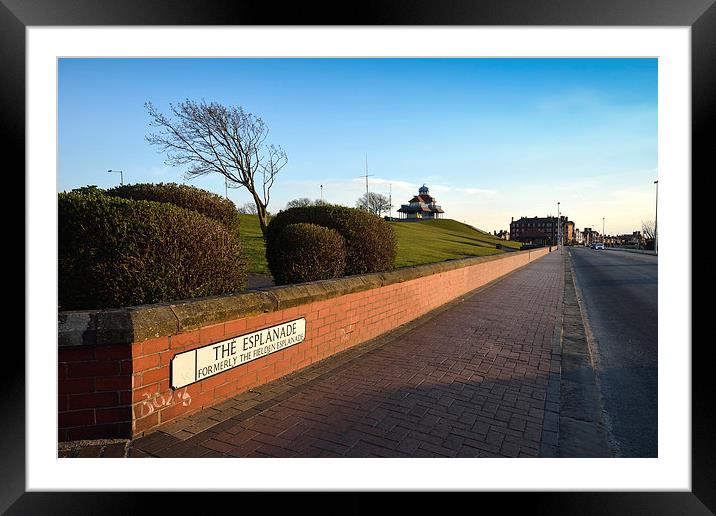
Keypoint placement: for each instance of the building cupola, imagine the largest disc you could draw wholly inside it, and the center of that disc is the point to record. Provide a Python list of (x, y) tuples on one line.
[(423, 190)]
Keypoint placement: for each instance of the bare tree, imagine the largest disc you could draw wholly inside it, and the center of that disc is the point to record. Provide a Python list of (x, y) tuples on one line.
[(375, 203), (299, 203), (248, 209), (212, 138), (647, 229)]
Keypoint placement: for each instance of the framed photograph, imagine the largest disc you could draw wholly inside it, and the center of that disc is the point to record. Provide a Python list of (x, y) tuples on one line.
[(513, 105)]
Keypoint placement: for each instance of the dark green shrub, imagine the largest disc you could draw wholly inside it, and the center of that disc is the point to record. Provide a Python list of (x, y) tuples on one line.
[(88, 190), (370, 241), (207, 203), (117, 252), (308, 252)]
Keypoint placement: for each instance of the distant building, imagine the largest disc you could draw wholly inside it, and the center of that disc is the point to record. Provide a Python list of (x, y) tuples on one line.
[(591, 236), (635, 239), (542, 230), (421, 206), (569, 233), (533, 237), (578, 237)]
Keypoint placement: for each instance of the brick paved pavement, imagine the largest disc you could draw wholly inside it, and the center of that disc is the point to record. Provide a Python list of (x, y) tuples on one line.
[(477, 378), (114, 448)]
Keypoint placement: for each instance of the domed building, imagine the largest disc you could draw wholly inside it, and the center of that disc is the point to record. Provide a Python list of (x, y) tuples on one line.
[(422, 206)]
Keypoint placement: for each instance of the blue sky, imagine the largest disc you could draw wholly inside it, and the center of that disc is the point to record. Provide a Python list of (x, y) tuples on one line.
[(492, 138)]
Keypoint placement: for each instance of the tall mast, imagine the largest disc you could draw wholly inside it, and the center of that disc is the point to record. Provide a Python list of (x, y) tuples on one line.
[(366, 173)]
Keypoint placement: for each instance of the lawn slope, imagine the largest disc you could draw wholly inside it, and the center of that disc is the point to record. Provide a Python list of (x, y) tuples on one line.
[(422, 242), (432, 241)]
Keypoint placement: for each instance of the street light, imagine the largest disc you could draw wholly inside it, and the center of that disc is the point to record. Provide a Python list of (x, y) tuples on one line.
[(656, 218), (559, 230), (121, 176), (390, 202)]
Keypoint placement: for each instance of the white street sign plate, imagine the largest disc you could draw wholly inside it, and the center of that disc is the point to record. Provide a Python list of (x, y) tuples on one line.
[(196, 365)]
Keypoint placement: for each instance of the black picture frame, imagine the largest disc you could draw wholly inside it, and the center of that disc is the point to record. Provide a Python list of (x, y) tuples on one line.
[(16, 15)]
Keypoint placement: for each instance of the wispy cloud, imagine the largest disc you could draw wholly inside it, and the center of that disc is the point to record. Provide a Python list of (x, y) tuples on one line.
[(402, 186), (440, 189), (572, 185), (399, 185), (478, 191), (395, 184), (631, 195)]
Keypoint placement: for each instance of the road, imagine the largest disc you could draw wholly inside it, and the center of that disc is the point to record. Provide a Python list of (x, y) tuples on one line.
[(619, 294)]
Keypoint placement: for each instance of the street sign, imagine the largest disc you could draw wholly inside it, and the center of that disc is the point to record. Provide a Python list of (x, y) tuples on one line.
[(201, 363)]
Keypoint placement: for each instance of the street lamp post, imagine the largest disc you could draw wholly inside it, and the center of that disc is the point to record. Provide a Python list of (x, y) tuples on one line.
[(321, 194), (656, 219), (559, 230), (604, 236), (121, 176), (390, 202)]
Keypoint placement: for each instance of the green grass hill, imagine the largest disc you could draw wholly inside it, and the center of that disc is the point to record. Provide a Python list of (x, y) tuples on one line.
[(432, 241), (422, 242)]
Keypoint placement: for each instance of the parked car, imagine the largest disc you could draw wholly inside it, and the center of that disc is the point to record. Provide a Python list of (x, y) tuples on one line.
[(598, 245)]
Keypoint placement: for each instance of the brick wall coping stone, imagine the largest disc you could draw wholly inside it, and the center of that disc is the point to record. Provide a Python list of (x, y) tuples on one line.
[(139, 323)]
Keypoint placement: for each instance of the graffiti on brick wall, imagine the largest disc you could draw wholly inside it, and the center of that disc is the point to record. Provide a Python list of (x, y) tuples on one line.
[(345, 333), (158, 400)]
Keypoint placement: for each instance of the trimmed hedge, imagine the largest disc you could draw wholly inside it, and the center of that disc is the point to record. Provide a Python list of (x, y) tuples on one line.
[(370, 241), (116, 252), (185, 196), (308, 252)]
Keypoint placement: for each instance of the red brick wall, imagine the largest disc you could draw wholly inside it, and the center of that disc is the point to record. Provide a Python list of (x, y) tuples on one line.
[(96, 382), (94, 392)]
